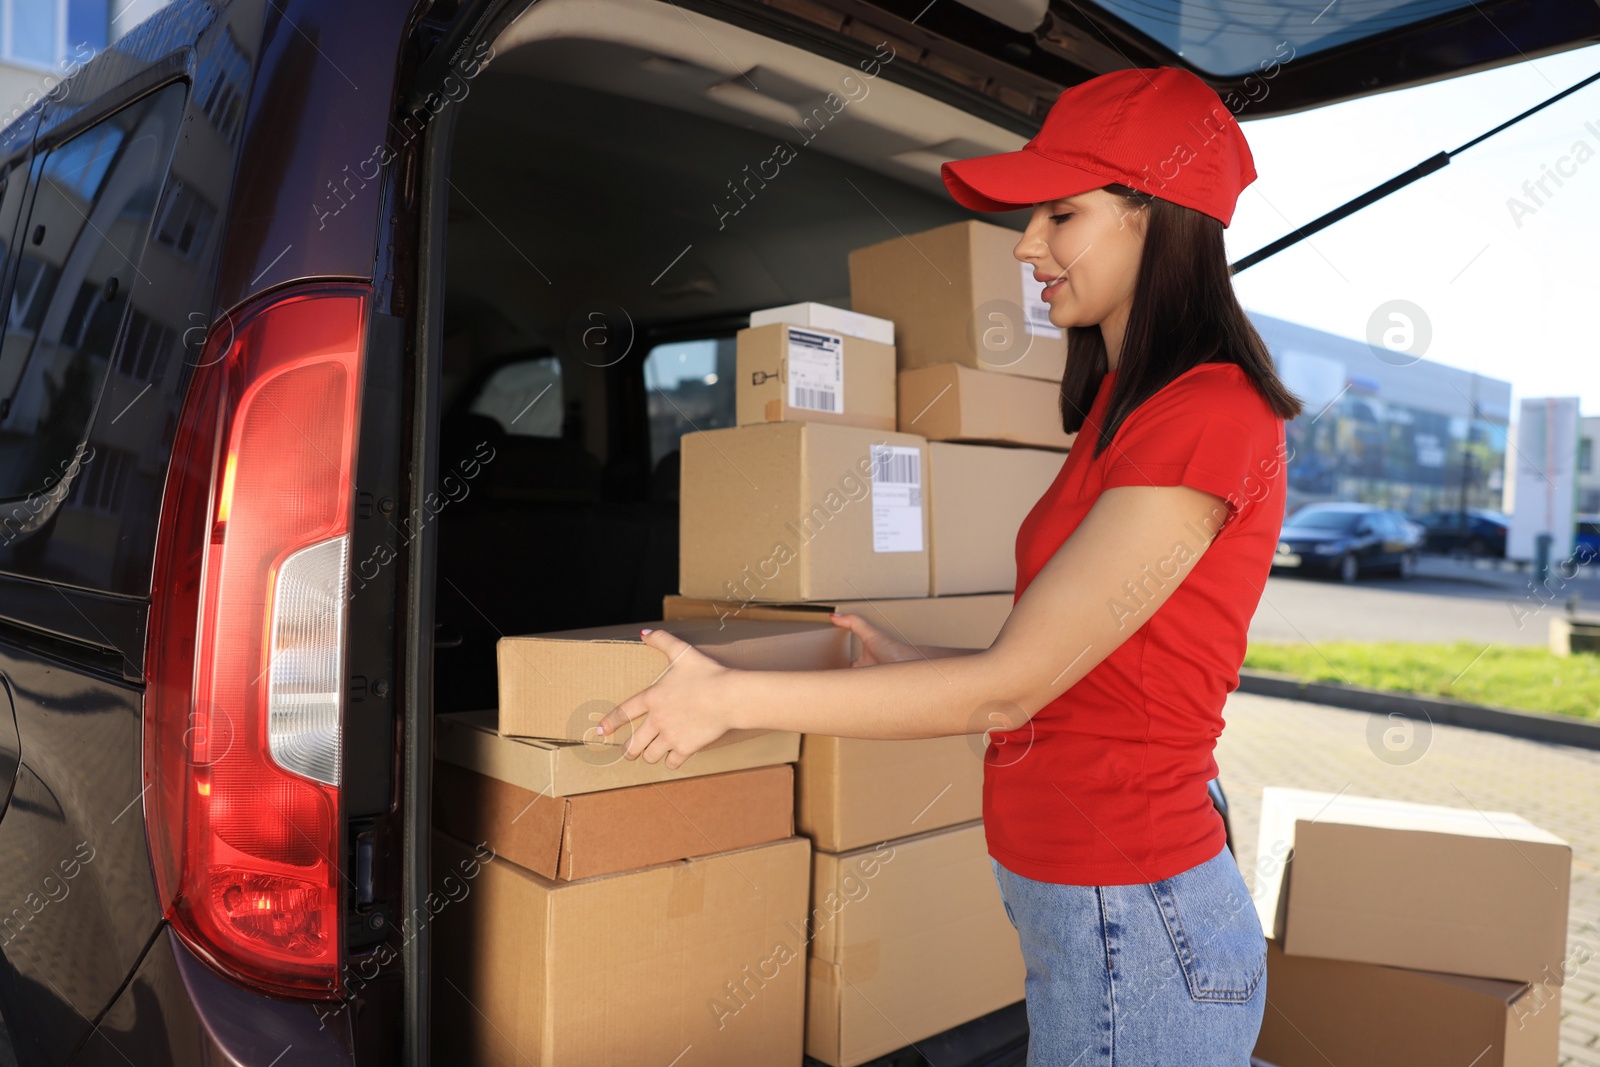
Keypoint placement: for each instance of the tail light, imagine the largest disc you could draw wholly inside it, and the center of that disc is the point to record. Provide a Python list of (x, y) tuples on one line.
[(245, 660)]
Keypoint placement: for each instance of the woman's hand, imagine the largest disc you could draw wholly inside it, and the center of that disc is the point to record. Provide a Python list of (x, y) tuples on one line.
[(682, 711), (876, 646)]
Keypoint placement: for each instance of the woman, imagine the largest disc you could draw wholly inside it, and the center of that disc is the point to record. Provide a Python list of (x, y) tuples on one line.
[(1137, 574)]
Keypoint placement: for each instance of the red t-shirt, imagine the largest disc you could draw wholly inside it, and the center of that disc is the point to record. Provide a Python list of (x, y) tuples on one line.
[(1106, 784)]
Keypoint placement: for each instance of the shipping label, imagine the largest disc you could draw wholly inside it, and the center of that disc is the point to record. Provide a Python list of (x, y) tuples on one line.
[(816, 370), (896, 498)]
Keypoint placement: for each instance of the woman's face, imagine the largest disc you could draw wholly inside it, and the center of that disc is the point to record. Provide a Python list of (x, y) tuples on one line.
[(1086, 248)]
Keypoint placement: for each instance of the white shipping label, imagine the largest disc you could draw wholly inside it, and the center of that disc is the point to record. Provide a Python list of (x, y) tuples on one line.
[(1035, 312), (816, 370), (896, 498)]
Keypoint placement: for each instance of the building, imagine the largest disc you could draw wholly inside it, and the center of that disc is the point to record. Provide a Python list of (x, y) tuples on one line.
[(1589, 464), (1382, 427), (43, 41)]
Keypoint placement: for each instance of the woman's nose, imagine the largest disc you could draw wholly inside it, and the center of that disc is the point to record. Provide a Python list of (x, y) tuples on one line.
[(1031, 246)]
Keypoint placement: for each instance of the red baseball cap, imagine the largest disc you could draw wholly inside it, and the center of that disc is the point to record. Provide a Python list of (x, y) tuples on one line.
[(1158, 129)]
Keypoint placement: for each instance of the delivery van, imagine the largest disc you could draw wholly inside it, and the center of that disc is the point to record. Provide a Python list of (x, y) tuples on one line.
[(406, 304)]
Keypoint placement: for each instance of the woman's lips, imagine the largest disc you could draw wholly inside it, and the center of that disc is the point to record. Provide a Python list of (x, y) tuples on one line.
[(1049, 290)]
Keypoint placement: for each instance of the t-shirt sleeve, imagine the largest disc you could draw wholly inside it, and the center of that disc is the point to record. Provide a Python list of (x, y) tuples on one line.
[(1196, 438)]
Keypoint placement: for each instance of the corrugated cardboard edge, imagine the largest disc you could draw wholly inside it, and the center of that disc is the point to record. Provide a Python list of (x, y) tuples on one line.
[(821, 931), (479, 747), (804, 579), (824, 1006), (1533, 1032), (453, 817), (890, 613), (817, 786)]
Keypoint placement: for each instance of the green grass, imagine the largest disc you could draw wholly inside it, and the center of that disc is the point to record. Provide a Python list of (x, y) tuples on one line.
[(1531, 679)]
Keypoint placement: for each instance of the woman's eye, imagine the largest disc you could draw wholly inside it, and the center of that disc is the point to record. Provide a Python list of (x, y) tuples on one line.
[(1058, 218)]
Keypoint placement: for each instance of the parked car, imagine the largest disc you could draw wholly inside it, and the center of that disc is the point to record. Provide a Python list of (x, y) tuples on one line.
[(1586, 539), (259, 267), (1477, 532), (1347, 540)]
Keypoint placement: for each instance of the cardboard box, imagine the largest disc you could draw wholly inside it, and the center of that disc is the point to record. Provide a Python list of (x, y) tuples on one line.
[(954, 403), (558, 685), (1331, 1011), (698, 963), (828, 317), (950, 621), (956, 294), (907, 940), (472, 739), (853, 791), (799, 374), (615, 829), (802, 511), (977, 497), (1457, 890)]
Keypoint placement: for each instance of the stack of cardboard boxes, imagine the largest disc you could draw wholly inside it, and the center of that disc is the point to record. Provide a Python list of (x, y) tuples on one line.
[(882, 462), (778, 894), (1405, 934), (616, 910)]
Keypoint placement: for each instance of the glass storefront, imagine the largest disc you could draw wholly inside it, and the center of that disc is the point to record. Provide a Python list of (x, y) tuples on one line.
[(1363, 448)]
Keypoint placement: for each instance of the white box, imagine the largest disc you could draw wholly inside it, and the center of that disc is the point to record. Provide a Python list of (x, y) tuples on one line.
[(828, 317)]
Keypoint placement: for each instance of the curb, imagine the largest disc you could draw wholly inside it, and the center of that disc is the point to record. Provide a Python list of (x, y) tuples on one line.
[(1531, 725)]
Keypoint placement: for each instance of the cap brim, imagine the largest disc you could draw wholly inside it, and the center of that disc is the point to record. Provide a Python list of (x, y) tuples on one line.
[(1010, 180)]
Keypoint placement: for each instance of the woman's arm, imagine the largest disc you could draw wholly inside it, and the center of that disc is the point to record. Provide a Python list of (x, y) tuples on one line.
[(941, 652), (880, 647), (1132, 549)]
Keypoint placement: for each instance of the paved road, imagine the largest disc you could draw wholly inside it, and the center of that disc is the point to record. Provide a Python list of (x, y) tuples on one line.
[(1448, 600), (1308, 746)]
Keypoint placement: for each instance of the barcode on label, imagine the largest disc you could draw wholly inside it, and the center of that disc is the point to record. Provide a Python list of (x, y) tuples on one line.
[(896, 466), (896, 498), (816, 370), (815, 399)]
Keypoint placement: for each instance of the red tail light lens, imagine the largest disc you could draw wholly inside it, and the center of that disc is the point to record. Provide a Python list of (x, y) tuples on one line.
[(245, 657)]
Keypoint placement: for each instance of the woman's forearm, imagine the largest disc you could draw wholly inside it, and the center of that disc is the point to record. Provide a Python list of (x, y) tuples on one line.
[(934, 697), (942, 652)]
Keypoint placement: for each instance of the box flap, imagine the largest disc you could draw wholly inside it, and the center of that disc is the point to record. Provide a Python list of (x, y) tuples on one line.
[(566, 768), (559, 684)]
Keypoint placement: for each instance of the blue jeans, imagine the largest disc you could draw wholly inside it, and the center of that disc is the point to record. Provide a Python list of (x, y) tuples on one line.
[(1156, 973)]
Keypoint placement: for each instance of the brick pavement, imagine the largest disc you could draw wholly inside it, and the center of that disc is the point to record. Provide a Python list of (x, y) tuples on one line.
[(1309, 746)]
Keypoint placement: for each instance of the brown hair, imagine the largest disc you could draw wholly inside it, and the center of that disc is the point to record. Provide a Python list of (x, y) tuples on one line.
[(1184, 313)]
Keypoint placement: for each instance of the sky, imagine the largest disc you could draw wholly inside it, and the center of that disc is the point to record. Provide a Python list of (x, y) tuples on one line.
[(1515, 296)]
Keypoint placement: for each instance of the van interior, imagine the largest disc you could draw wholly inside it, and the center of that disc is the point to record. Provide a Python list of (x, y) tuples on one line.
[(627, 183)]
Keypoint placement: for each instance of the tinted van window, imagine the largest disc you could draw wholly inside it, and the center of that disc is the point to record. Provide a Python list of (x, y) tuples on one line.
[(691, 387), (90, 215), (524, 398)]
